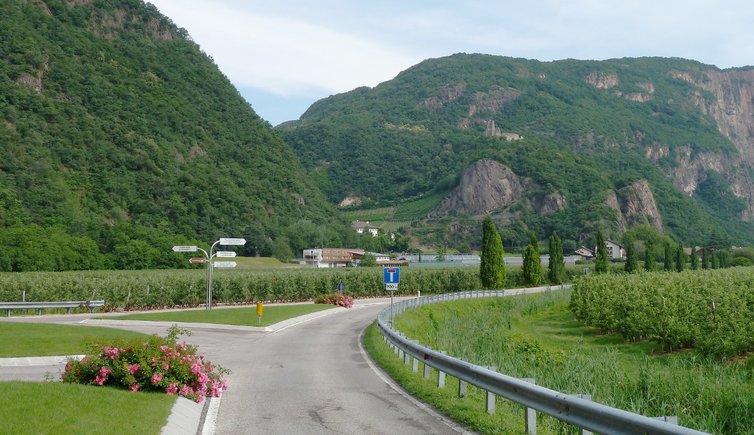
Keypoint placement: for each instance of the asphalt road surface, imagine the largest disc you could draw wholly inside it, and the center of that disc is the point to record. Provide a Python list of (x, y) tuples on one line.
[(312, 378), (308, 378)]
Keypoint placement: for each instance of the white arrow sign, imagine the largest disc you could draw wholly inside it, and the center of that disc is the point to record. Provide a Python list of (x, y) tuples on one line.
[(225, 254), (185, 248), (229, 241), (227, 264)]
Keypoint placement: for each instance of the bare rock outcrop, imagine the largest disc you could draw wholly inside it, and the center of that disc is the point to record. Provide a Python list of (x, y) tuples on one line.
[(637, 206), (446, 95), (550, 203), (485, 186), (601, 80)]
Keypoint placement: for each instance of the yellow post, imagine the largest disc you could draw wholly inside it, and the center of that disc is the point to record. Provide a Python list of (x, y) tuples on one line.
[(260, 311)]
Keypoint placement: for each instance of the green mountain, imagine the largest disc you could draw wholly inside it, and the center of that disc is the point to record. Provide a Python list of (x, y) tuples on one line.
[(568, 146), (119, 137)]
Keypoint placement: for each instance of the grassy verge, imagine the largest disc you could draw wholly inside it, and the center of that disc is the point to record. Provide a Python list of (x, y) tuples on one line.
[(468, 410), (537, 337), (52, 408), (246, 316), (33, 339)]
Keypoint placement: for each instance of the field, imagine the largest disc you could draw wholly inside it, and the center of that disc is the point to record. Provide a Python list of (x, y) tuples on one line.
[(187, 288), (539, 337)]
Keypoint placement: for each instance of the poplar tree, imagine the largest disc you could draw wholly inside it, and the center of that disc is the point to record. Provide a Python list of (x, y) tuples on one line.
[(600, 265), (532, 268), (492, 271), (632, 263), (649, 257), (668, 257), (556, 266), (680, 259), (694, 259)]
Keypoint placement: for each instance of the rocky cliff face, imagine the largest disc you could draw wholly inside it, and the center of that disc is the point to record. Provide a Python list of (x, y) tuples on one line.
[(636, 205), (485, 186), (732, 107), (488, 185)]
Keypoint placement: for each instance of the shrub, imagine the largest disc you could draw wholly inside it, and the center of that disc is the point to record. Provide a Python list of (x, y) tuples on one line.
[(335, 299), (159, 364)]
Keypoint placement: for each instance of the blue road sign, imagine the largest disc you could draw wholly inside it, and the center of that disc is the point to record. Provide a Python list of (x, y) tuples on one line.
[(392, 275)]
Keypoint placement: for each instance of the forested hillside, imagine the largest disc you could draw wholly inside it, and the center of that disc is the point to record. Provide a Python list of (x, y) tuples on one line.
[(119, 138), (608, 144)]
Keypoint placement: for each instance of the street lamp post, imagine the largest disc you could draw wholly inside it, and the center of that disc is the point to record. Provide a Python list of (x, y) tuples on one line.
[(208, 256)]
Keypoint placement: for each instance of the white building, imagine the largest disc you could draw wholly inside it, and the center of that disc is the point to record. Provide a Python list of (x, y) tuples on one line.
[(364, 227)]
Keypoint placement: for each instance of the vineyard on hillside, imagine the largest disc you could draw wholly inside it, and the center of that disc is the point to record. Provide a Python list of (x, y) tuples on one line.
[(710, 310)]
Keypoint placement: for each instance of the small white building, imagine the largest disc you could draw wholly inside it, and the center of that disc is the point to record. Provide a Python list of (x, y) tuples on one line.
[(615, 250), (365, 227)]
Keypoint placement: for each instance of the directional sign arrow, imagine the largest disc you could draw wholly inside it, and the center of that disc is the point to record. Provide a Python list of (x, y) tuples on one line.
[(225, 254), (229, 241), (185, 248), (197, 260), (227, 264)]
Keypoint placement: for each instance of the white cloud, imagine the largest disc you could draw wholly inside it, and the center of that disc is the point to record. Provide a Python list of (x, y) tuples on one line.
[(284, 55), (301, 48)]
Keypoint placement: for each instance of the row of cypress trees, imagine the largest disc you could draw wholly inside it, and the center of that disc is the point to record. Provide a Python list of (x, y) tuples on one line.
[(492, 269)]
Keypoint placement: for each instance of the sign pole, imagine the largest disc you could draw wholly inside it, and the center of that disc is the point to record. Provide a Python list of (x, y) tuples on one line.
[(208, 256)]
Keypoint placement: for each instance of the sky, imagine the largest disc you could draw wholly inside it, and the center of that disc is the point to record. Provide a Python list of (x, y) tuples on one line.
[(284, 55)]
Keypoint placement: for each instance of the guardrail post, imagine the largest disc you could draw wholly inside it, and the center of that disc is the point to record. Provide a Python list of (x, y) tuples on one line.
[(462, 387), (530, 416), (491, 397), (441, 375), (426, 371), (415, 365), (405, 358), (583, 431)]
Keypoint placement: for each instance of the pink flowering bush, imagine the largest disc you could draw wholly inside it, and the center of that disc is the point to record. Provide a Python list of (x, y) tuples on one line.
[(157, 364), (335, 299)]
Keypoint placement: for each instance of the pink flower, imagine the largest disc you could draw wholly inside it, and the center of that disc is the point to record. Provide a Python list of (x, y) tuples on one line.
[(112, 352), (102, 375), (172, 389), (134, 388), (166, 366), (185, 390), (133, 368), (156, 378), (164, 348)]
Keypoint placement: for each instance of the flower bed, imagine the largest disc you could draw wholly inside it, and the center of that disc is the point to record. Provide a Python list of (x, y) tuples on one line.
[(335, 299), (159, 364)]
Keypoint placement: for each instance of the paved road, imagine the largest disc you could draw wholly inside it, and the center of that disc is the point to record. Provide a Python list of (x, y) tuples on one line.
[(308, 378)]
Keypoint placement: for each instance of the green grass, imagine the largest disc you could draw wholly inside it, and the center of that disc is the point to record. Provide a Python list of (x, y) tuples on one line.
[(34, 339), (537, 336), (57, 408), (418, 209), (246, 316)]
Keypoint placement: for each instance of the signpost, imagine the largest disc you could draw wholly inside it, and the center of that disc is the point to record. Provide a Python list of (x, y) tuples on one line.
[(225, 254), (208, 256), (225, 264), (391, 277), (199, 260), (185, 248)]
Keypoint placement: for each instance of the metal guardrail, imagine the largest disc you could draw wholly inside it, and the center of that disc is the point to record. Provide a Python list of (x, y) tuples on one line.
[(580, 412), (10, 306)]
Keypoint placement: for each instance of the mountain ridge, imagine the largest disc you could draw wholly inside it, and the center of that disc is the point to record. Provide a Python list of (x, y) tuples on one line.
[(677, 124), (119, 132)]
